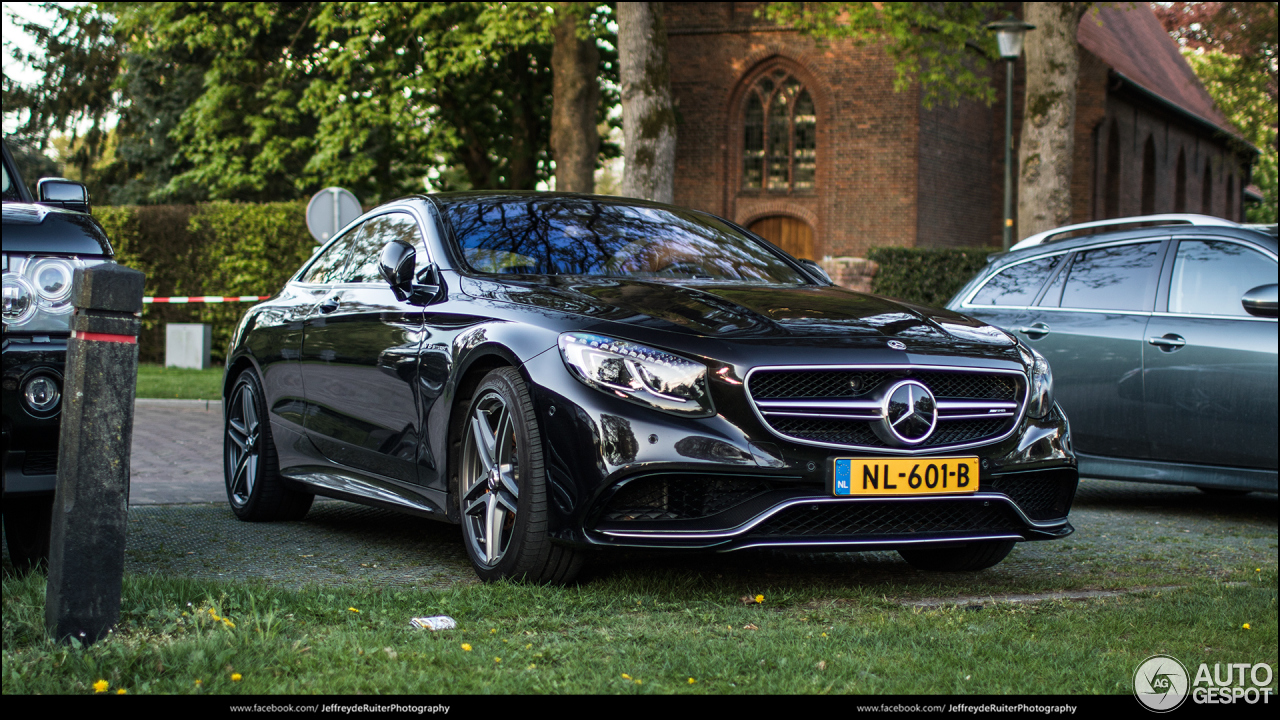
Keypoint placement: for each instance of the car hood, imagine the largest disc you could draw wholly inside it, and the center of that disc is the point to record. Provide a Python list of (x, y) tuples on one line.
[(746, 312), (33, 228)]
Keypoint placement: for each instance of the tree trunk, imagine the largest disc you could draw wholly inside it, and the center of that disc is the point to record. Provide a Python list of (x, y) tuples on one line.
[(648, 117), (575, 93), (1049, 116)]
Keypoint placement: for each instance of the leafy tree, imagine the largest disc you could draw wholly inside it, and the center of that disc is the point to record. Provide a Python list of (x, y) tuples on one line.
[(942, 46), (1232, 48), (273, 100)]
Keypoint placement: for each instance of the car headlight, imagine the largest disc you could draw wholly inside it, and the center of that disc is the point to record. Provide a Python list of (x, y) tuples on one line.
[(37, 292), (638, 373), (19, 300), (1040, 402)]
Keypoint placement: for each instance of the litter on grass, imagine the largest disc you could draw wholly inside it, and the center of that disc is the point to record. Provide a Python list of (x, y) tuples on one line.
[(435, 622)]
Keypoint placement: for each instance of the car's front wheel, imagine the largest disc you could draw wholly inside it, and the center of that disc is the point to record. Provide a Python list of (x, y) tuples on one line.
[(502, 487), (249, 464), (965, 558)]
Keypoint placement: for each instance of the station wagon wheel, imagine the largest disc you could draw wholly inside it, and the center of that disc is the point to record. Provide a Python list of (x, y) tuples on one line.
[(250, 467), (502, 498)]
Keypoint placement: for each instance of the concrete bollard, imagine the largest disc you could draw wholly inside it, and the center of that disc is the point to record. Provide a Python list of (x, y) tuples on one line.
[(90, 506)]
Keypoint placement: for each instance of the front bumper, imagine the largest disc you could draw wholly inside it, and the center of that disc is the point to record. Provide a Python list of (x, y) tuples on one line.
[(30, 441), (619, 475)]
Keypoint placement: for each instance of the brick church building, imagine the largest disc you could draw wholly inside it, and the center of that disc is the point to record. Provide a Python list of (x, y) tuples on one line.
[(811, 147)]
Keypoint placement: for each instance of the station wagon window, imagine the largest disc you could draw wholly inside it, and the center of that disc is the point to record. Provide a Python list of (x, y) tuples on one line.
[(374, 235), (1209, 276), (1017, 286), (1118, 277)]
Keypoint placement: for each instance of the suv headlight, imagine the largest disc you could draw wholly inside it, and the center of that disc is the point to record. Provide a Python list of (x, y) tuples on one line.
[(37, 292), (1040, 400), (638, 373)]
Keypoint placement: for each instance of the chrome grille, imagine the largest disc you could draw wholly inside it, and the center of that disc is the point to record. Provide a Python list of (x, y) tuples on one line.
[(840, 407)]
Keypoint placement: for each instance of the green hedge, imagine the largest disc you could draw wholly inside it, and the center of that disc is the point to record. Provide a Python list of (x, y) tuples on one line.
[(219, 248), (928, 276)]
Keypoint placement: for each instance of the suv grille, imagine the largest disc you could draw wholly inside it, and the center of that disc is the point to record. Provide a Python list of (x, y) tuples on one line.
[(841, 407)]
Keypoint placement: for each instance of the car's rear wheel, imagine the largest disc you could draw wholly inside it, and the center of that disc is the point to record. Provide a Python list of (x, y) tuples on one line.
[(27, 522), (502, 487), (964, 558), (249, 463)]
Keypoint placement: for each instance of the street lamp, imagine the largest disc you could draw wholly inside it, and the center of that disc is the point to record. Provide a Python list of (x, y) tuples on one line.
[(1009, 34)]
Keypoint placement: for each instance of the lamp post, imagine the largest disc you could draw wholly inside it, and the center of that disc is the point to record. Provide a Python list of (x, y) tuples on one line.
[(1009, 35)]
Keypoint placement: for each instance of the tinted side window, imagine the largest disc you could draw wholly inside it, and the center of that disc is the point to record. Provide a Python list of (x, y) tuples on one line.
[(329, 267), (1210, 276), (1120, 277), (378, 231), (1017, 285)]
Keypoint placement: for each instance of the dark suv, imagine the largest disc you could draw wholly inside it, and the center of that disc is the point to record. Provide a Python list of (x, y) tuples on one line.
[(45, 239)]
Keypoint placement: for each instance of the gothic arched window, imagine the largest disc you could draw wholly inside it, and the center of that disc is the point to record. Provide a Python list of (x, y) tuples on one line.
[(780, 139)]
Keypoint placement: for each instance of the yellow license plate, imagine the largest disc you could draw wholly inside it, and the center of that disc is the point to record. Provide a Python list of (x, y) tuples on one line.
[(903, 476)]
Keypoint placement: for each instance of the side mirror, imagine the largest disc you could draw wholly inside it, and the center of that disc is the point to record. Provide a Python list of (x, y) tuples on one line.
[(396, 264), (1260, 301), (61, 192), (815, 267)]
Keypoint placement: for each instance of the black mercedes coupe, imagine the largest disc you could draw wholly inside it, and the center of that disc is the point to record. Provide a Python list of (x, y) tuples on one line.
[(560, 373)]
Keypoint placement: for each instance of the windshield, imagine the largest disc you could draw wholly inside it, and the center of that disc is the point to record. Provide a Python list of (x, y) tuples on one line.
[(549, 235)]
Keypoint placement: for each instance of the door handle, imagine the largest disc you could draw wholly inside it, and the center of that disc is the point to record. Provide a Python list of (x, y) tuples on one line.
[(328, 305), (1168, 342), (1034, 330)]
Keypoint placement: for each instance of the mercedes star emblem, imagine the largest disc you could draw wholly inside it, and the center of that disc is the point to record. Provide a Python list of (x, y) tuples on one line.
[(908, 414)]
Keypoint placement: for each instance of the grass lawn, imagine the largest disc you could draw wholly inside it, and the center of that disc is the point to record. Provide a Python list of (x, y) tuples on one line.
[(652, 632), (157, 381)]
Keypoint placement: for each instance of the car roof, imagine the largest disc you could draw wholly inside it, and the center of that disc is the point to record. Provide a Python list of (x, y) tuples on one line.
[(1164, 219), (1235, 230)]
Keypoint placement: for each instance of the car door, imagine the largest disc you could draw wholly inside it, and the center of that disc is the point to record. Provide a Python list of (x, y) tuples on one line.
[(1089, 325), (360, 361), (1210, 367)]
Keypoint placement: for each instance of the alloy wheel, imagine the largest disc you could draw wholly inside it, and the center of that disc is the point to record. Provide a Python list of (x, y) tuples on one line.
[(491, 474), (243, 446)]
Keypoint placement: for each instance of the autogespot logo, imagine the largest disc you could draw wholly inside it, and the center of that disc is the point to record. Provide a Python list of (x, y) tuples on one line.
[(1160, 683)]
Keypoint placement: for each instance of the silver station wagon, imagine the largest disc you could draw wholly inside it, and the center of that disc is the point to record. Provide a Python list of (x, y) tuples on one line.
[(1162, 342)]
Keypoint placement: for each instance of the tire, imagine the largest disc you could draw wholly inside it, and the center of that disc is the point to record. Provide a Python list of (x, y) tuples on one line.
[(502, 496), (27, 523), (250, 467), (965, 558)]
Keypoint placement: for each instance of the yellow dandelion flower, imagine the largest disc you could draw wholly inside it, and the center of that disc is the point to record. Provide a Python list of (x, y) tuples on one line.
[(626, 676), (759, 598), (532, 666), (122, 691), (824, 634), (1245, 626), (639, 682), (493, 631), (199, 682), (466, 647), (235, 677), (497, 659), (692, 681), (101, 686), (352, 610), (526, 647)]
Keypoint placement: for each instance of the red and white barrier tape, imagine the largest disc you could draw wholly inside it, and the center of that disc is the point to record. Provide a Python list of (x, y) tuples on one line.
[(206, 299)]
